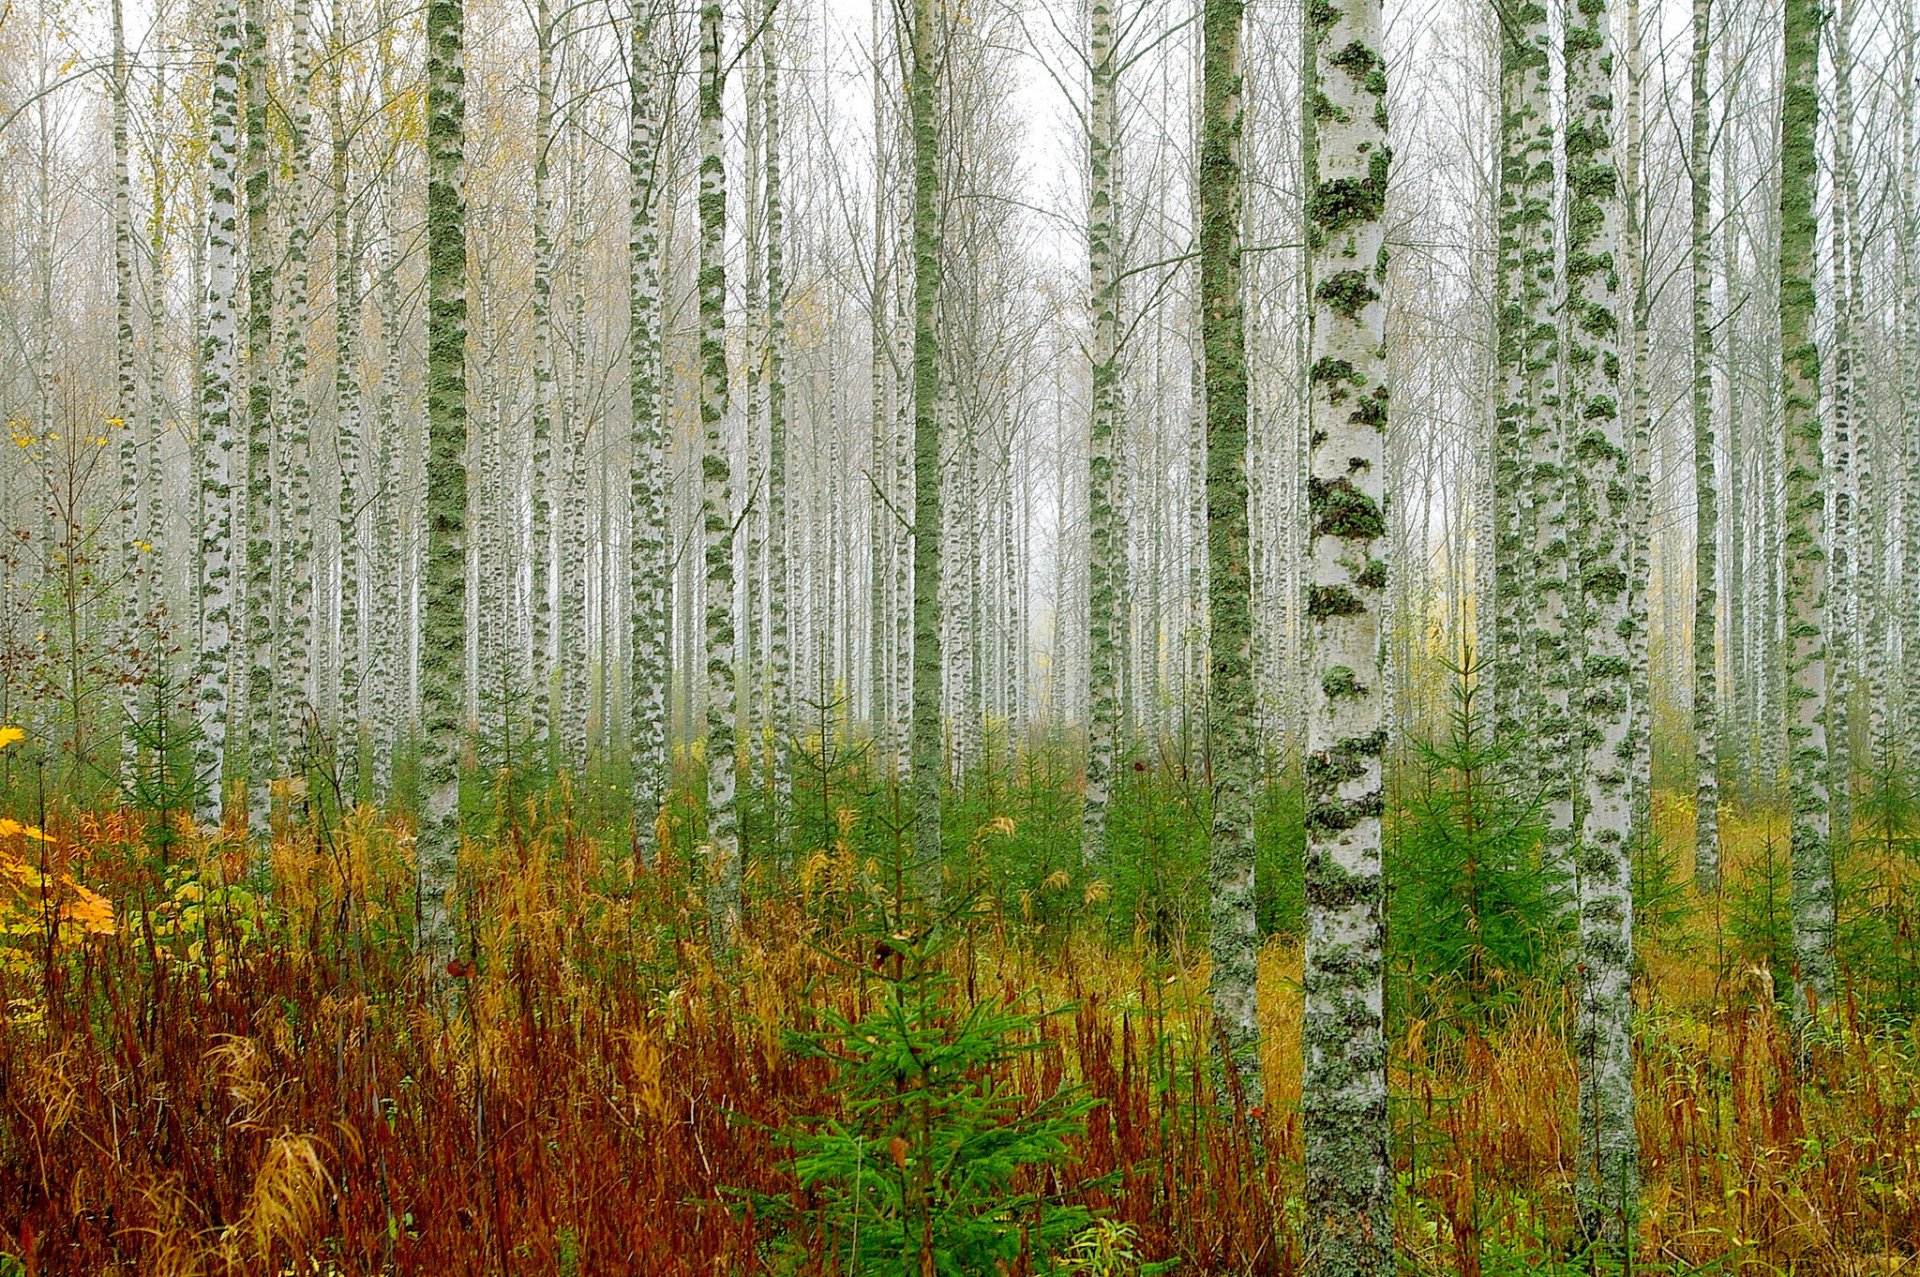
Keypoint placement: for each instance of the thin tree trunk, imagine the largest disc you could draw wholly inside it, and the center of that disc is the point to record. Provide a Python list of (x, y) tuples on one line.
[(1104, 549), (779, 654), (293, 639), (1803, 555), (443, 627), (543, 383), (723, 843), (128, 513), (1842, 585), (1234, 940), (256, 709), (1706, 546), (347, 244), (925, 750), (647, 494), (214, 673)]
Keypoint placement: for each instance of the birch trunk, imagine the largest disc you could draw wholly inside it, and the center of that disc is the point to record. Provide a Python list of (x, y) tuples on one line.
[(1706, 546), (716, 507), (779, 647), (1843, 585), (1804, 565), (213, 700), (543, 387), (925, 748), (256, 711), (350, 649), (1606, 1174), (443, 632), (1234, 942), (127, 515), (293, 639), (1343, 1101), (1103, 704), (647, 493), (1526, 336)]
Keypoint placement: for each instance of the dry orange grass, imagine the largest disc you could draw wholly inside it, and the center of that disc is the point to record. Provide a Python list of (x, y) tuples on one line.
[(309, 1105)]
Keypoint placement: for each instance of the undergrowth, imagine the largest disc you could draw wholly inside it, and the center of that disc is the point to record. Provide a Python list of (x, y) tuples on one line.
[(230, 1079)]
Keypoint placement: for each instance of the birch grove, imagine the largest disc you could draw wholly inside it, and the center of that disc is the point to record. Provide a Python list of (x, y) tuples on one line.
[(1391, 527)]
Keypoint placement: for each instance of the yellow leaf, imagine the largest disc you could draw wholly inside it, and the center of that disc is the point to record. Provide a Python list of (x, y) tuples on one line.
[(10, 736)]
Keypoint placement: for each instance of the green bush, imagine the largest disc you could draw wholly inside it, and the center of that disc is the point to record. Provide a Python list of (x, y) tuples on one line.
[(1473, 906)]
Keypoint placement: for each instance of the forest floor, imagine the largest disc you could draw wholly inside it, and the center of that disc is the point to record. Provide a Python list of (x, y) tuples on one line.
[(218, 1083)]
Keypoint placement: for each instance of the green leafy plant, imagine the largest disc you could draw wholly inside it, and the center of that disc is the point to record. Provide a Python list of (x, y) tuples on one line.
[(936, 1163), (1474, 905)]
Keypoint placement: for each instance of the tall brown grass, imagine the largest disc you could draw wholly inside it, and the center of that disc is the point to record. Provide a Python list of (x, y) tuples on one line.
[(227, 1085)]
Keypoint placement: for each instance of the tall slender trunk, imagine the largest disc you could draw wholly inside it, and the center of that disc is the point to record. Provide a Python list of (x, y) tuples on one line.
[(1640, 443), (257, 705), (384, 639), (293, 638), (1103, 706), (882, 522), (1543, 710), (1909, 336), (1706, 544), (213, 676), (347, 244), (127, 516), (1234, 941), (1606, 1183), (1343, 1098), (1804, 563), (577, 427), (443, 625), (148, 529), (647, 492), (779, 654), (1843, 584), (543, 381), (1525, 333), (716, 507), (924, 749)]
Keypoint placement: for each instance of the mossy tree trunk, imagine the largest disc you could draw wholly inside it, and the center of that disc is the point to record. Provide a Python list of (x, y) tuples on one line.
[(1602, 465), (716, 465), (779, 640), (293, 539), (213, 675), (924, 749), (256, 709), (1343, 1099), (1706, 547), (1234, 940), (1103, 708), (1803, 551), (1843, 586), (647, 480), (443, 628), (540, 675), (1527, 344)]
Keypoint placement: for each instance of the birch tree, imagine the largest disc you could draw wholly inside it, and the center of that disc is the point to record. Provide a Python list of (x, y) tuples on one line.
[(1803, 543), (1343, 1098), (1234, 941), (1706, 543), (213, 696), (1104, 548), (925, 745), (443, 624), (1606, 1183), (647, 496), (716, 506)]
